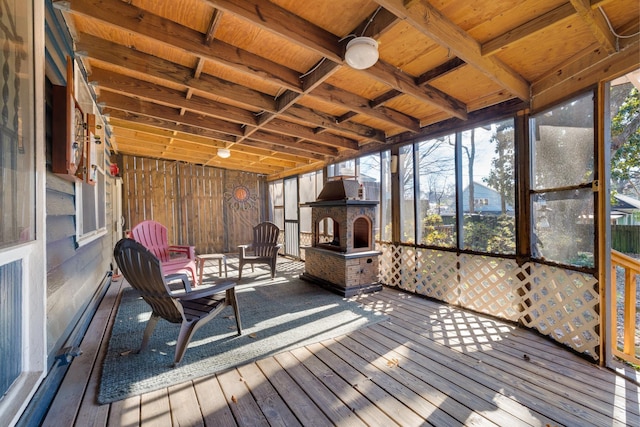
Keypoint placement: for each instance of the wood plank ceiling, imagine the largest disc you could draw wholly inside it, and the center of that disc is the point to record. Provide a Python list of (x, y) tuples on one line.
[(267, 79)]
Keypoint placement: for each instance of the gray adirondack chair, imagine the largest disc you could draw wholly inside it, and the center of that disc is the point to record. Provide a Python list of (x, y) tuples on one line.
[(190, 308), (263, 250)]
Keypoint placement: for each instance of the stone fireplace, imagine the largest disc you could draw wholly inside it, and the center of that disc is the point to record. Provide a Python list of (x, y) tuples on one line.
[(342, 256)]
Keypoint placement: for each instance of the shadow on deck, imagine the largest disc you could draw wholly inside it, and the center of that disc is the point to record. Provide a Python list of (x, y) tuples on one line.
[(429, 364)]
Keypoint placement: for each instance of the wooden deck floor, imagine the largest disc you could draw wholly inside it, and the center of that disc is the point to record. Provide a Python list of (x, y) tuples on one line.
[(430, 364)]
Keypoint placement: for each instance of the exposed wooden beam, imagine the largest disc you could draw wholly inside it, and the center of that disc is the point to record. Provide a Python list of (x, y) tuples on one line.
[(596, 23), (113, 54), (130, 18), (383, 99), (142, 89), (327, 121), (271, 17), (390, 75), (213, 27), (172, 98), (293, 142), (138, 106), (315, 77), (475, 117), (382, 21), (584, 71), (428, 20), (168, 125), (130, 86), (281, 147), (141, 123), (441, 70), (171, 114), (528, 29), (361, 105), (152, 132), (293, 129)]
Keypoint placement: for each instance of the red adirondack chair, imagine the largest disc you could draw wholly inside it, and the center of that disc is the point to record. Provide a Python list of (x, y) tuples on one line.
[(173, 258)]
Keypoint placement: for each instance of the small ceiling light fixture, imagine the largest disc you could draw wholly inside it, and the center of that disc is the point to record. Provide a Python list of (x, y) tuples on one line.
[(361, 53), (224, 153)]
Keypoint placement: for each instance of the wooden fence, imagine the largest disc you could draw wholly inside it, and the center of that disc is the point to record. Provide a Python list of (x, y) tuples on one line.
[(626, 238), (211, 208)]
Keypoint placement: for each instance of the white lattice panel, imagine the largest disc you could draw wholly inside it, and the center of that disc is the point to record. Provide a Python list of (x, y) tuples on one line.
[(398, 266), (490, 285), (437, 275), (406, 271), (559, 303), (562, 304), (386, 272)]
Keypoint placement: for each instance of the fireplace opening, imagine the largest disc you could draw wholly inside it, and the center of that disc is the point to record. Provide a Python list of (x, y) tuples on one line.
[(329, 234), (361, 233)]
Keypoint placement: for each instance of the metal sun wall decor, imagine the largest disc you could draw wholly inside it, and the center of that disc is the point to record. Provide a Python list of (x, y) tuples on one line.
[(240, 197)]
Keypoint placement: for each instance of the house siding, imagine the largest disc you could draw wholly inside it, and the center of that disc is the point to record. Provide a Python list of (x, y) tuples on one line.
[(74, 272)]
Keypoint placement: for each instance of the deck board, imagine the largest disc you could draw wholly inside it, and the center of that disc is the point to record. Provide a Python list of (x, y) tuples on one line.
[(155, 409), (322, 396), (355, 401), (300, 403), (244, 407), (427, 364), (214, 406), (459, 380), (67, 407), (270, 401), (508, 378)]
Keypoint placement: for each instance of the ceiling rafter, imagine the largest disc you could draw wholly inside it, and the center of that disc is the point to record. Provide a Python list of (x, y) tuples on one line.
[(126, 103), (279, 21), (173, 98), (130, 18), (428, 20), (596, 23), (289, 98), (327, 121), (528, 29), (147, 24), (161, 124), (129, 59), (112, 54), (198, 75), (361, 105), (533, 26), (273, 18)]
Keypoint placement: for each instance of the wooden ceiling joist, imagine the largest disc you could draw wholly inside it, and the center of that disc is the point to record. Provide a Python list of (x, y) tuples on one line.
[(428, 20), (268, 80)]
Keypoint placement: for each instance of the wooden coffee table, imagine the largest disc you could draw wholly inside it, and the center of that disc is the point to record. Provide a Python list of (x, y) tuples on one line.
[(203, 258)]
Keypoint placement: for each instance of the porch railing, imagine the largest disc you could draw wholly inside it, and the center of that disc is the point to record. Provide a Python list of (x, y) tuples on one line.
[(625, 347)]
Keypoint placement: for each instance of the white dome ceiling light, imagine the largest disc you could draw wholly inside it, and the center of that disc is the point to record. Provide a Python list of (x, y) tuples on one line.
[(361, 53), (224, 153)]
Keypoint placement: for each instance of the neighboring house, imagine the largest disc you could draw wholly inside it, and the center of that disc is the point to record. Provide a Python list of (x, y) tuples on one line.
[(486, 200), (625, 210)]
